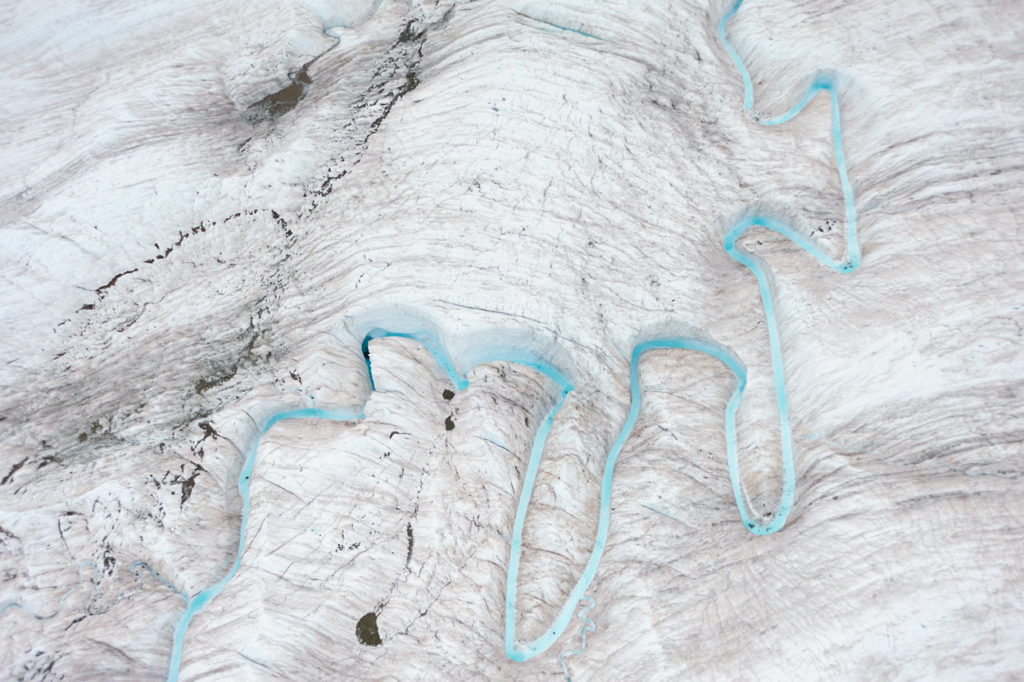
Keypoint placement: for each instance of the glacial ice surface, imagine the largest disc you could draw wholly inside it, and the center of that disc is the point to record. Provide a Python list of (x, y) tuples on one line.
[(540, 186)]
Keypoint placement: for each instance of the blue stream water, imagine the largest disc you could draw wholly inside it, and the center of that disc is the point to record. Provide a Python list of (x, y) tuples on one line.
[(821, 83), (18, 606), (589, 626)]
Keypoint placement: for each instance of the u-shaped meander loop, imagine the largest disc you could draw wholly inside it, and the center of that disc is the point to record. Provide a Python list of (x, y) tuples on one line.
[(821, 83), (604, 515)]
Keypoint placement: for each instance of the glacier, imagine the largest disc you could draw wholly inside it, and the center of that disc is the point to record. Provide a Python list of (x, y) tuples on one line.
[(216, 463)]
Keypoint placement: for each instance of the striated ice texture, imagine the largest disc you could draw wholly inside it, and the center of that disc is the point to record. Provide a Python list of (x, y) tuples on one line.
[(511, 340)]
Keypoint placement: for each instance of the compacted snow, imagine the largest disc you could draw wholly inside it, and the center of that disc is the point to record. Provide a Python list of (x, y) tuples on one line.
[(387, 340)]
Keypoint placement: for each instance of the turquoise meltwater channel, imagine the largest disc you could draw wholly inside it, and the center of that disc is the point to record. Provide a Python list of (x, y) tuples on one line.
[(821, 83), (514, 651)]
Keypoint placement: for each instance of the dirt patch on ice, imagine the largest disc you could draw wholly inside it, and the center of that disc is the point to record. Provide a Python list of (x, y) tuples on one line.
[(279, 103)]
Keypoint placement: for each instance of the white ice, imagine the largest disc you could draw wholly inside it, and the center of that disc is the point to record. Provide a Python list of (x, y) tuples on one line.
[(557, 177)]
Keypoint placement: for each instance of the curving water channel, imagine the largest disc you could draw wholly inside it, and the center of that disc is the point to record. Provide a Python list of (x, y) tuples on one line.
[(523, 652), (821, 83)]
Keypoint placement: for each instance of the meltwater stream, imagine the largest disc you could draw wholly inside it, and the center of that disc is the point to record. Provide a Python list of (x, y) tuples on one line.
[(527, 359), (821, 83)]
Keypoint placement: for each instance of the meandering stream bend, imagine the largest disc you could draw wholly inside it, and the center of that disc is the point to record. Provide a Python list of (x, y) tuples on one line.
[(548, 369), (821, 83)]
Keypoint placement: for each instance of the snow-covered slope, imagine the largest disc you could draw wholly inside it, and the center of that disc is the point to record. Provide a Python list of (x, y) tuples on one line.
[(206, 206)]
